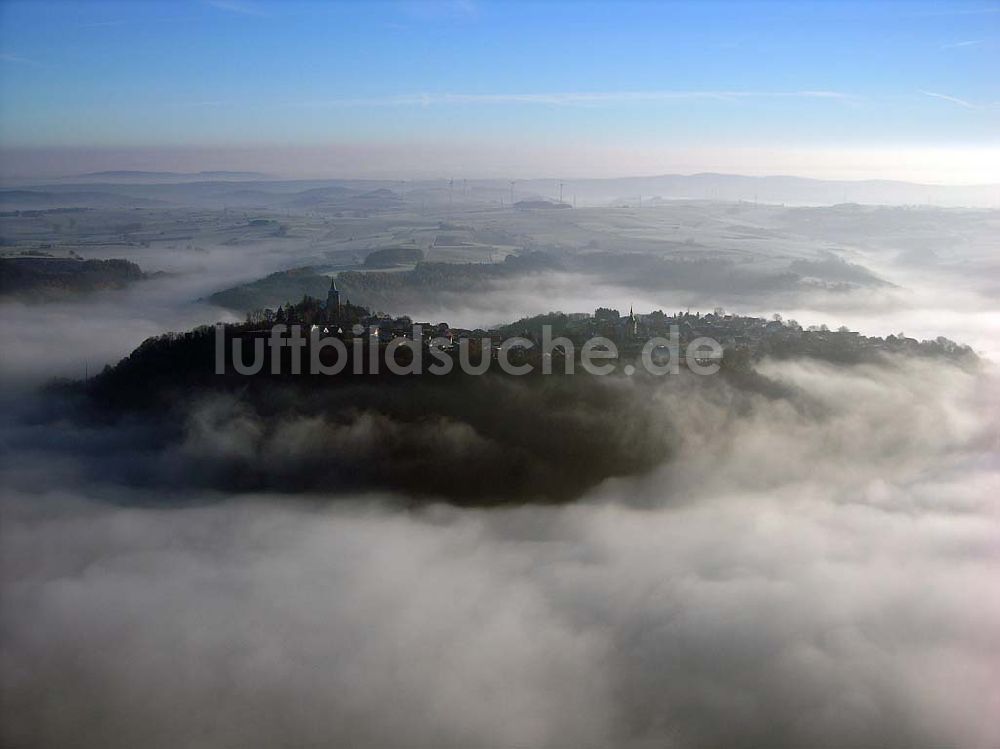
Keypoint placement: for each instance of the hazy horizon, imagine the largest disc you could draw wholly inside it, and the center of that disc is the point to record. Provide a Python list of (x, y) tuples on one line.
[(405, 90), (38, 166)]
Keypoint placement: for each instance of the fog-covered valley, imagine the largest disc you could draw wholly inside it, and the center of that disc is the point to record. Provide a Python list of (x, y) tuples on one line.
[(805, 558)]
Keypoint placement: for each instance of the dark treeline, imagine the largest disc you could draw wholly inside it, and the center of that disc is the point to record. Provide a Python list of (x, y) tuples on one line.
[(44, 278), (477, 440), (472, 439)]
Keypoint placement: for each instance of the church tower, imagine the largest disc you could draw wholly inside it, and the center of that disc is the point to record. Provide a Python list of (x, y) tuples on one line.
[(333, 300)]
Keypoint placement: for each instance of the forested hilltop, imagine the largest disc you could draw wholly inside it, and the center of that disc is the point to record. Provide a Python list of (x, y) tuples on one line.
[(40, 278)]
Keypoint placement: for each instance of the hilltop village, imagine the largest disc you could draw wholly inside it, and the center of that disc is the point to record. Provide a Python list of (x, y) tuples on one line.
[(741, 337)]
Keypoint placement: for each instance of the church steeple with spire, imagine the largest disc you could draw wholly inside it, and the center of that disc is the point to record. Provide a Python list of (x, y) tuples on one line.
[(333, 300)]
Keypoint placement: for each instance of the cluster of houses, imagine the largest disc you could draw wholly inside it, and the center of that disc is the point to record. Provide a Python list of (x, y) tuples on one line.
[(758, 335), (629, 333)]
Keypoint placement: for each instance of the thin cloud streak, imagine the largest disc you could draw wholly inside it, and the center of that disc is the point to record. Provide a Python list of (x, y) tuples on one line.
[(952, 99), (957, 12), (234, 6), (11, 57), (957, 45), (573, 98), (101, 24)]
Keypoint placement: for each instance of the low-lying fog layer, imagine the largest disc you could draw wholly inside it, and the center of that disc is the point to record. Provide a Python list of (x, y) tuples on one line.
[(812, 570), (792, 576), (939, 270)]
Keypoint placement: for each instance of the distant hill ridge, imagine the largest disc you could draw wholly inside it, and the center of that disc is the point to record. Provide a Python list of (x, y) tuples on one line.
[(138, 174), (218, 189)]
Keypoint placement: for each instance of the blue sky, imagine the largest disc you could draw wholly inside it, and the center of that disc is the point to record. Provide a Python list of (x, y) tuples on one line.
[(588, 84)]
